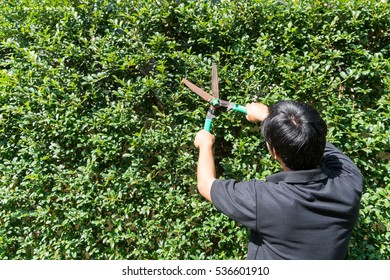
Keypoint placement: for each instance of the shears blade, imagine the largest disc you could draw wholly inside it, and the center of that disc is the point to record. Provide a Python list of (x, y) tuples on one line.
[(214, 82), (198, 90)]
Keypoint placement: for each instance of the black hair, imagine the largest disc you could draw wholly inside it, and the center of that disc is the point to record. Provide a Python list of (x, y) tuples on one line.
[(297, 133)]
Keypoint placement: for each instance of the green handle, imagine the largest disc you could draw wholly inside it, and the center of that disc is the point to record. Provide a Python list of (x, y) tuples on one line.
[(207, 124), (239, 108)]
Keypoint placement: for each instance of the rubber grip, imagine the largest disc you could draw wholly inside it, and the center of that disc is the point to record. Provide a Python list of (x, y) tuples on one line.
[(207, 124), (239, 108)]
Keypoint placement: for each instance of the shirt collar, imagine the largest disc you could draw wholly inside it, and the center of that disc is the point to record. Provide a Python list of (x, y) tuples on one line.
[(298, 177)]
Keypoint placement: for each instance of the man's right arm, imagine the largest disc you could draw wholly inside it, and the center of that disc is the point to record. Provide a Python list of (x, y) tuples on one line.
[(256, 112), (337, 162)]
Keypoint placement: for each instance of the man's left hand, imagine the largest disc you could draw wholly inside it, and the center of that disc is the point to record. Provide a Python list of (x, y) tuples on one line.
[(204, 139)]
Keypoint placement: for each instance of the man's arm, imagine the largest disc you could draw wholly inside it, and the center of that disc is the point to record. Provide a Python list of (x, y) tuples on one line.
[(256, 112), (338, 162), (204, 142), (206, 169)]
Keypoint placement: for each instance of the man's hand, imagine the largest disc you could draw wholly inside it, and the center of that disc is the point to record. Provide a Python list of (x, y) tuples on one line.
[(256, 112), (204, 141)]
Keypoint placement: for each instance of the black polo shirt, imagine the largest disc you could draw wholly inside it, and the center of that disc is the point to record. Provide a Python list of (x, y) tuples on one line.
[(297, 214)]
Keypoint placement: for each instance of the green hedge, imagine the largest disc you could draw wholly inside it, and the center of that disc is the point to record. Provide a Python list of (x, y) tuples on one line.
[(96, 146)]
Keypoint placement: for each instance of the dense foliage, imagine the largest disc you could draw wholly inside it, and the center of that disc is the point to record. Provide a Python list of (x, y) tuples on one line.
[(96, 146)]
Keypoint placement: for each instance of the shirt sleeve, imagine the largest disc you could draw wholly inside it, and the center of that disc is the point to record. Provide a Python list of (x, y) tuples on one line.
[(235, 199), (337, 162)]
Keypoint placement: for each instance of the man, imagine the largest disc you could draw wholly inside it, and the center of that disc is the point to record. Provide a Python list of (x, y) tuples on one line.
[(306, 211)]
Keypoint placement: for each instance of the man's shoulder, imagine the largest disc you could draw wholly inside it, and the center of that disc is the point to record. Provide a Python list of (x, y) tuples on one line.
[(338, 163)]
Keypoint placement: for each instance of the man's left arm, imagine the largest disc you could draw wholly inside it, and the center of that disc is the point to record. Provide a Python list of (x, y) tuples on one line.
[(206, 168)]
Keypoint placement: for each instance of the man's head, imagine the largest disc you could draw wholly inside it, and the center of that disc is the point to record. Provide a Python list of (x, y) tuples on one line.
[(297, 133)]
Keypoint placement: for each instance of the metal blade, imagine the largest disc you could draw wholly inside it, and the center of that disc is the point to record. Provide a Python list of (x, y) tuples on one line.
[(197, 90), (214, 82)]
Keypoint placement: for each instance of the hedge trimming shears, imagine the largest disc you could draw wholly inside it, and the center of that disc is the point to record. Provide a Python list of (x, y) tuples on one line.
[(213, 99)]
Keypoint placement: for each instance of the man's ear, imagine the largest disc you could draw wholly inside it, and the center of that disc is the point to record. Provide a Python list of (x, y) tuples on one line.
[(275, 154), (271, 150)]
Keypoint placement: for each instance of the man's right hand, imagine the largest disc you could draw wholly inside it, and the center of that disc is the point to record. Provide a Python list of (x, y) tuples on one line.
[(256, 112)]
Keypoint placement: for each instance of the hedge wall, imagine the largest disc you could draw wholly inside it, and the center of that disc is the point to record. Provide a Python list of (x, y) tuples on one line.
[(96, 146)]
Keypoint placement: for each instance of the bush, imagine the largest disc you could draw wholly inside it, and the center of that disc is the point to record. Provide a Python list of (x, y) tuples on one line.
[(97, 128)]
